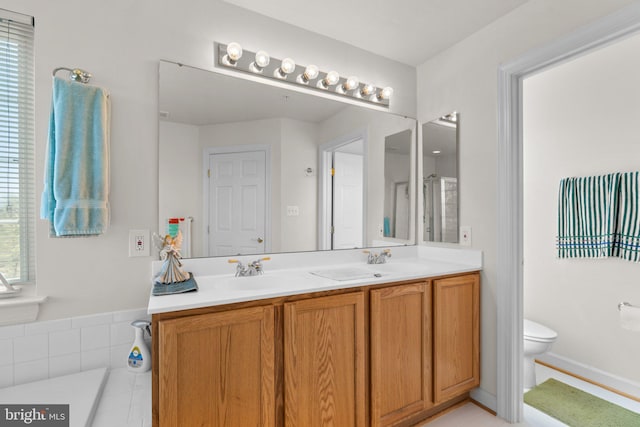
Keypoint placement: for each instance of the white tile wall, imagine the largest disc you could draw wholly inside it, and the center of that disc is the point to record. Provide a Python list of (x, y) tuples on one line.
[(95, 337), (64, 365), (40, 350), (30, 371), (6, 376), (6, 352), (64, 342), (30, 347)]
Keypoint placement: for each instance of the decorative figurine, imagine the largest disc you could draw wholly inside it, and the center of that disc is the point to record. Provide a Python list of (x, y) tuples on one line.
[(171, 270), (171, 278)]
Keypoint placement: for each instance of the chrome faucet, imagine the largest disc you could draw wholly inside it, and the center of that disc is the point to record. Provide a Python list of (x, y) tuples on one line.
[(380, 258), (253, 268)]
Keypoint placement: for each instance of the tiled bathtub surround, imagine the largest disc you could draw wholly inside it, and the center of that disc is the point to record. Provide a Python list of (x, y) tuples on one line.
[(40, 350)]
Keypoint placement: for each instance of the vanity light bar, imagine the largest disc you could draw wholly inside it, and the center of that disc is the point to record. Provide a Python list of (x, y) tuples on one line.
[(233, 56)]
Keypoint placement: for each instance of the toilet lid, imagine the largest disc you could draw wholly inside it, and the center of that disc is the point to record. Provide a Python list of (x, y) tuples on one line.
[(538, 332)]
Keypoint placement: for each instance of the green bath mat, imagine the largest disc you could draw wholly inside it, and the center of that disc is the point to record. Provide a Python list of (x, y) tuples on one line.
[(577, 408)]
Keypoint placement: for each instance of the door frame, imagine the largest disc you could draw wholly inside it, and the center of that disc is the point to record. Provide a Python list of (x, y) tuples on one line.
[(607, 30), (325, 152), (206, 203)]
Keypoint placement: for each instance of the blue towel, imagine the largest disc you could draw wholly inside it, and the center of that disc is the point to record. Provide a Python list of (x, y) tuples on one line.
[(387, 227), (76, 187)]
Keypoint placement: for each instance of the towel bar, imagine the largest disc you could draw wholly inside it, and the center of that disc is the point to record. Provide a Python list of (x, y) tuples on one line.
[(75, 74)]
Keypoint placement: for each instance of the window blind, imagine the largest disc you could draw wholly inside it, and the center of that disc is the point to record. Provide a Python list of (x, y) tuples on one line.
[(17, 198)]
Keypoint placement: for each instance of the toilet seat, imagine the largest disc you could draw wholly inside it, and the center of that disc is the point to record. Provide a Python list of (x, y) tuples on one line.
[(536, 332)]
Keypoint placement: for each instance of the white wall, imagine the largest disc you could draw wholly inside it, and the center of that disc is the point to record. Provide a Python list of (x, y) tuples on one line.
[(121, 42), (181, 192), (581, 119), (299, 151), (464, 78)]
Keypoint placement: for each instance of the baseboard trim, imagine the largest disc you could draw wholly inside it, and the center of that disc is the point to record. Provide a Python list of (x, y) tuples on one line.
[(607, 381), (484, 408), (484, 398)]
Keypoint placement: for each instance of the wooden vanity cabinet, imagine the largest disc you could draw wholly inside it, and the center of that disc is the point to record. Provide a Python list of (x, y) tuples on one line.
[(456, 333), (324, 361), (400, 352), (217, 369), (383, 355)]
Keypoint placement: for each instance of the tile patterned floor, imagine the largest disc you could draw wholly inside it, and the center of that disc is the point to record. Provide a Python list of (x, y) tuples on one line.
[(126, 402)]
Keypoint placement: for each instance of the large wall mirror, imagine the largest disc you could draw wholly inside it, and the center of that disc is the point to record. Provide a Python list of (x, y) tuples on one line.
[(440, 179), (247, 167)]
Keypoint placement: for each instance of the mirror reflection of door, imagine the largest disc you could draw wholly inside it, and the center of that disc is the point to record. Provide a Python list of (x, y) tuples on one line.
[(347, 195), (440, 182), (236, 203), (342, 194)]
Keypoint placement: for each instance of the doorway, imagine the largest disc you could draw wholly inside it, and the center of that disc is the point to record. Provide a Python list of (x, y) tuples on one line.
[(510, 212), (342, 194), (236, 201)]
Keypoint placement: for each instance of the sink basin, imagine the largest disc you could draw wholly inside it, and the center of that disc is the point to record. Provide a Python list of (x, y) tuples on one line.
[(400, 268), (345, 274), (256, 283)]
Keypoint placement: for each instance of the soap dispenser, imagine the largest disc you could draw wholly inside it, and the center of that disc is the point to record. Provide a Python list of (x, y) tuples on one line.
[(139, 356)]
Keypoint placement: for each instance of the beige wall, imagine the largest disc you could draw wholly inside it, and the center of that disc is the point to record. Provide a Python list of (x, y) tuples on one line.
[(464, 79), (121, 42), (581, 119)]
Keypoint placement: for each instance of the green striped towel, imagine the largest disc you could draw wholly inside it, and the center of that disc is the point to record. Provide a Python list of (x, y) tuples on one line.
[(627, 244), (599, 217)]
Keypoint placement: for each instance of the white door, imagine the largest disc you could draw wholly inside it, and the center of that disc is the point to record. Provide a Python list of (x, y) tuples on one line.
[(237, 209), (347, 200)]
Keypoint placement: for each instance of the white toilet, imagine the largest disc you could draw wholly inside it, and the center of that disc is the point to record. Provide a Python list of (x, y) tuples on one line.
[(538, 339)]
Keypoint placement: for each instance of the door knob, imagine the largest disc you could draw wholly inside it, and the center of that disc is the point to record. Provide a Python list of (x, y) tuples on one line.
[(260, 240)]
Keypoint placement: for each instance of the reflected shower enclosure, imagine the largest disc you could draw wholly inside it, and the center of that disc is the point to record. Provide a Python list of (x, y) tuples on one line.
[(440, 179)]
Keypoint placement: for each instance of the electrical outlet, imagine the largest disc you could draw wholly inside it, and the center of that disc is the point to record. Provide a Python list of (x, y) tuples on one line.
[(465, 235), (293, 211), (139, 243)]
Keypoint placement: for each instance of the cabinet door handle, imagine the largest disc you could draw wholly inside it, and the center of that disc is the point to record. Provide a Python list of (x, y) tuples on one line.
[(260, 240)]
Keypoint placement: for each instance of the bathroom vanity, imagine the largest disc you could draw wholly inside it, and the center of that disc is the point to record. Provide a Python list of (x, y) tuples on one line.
[(295, 348)]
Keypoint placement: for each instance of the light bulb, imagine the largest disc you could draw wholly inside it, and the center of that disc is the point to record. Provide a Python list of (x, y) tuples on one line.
[(262, 59), (351, 83), (287, 67), (330, 79), (234, 51), (367, 90), (385, 93), (310, 73)]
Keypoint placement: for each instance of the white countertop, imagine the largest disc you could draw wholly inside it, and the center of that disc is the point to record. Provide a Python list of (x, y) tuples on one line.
[(218, 286)]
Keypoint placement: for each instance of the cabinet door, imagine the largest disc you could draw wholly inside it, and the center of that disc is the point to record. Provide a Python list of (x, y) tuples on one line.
[(400, 352), (217, 369), (324, 362), (456, 331)]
